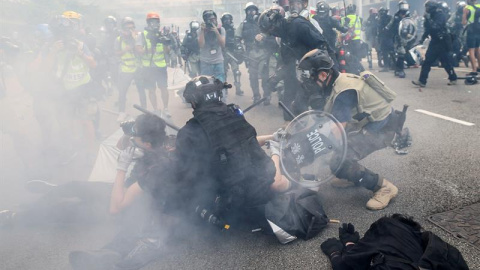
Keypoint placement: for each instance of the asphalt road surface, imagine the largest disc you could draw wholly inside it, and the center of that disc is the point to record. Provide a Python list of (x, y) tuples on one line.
[(439, 173)]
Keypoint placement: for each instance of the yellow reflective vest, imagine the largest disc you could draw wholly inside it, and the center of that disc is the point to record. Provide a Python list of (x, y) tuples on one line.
[(354, 23), (158, 58), (128, 61)]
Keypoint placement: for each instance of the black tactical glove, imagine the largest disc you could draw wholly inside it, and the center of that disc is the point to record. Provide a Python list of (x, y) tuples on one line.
[(347, 233), (332, 247)]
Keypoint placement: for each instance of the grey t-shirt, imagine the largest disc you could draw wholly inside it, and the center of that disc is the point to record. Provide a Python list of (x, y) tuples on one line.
[(211, 53)]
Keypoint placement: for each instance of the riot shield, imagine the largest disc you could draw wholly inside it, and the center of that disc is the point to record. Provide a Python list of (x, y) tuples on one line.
[(313, 148), (407, 30)]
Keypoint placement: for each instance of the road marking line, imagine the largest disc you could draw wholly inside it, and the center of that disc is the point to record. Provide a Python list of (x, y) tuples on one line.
[(446, 118)]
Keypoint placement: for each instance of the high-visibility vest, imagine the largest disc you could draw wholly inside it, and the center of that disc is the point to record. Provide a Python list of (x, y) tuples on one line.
[(128, 61), (158, 58), (354, 23), (472, 12), (75, 74)]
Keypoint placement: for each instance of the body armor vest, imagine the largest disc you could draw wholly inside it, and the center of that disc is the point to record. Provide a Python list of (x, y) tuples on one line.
[(241, 168), (249, 31), (230, 38), (370, 102)]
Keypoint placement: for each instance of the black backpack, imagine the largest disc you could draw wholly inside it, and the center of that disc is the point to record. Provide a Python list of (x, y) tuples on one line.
[(298, 212)]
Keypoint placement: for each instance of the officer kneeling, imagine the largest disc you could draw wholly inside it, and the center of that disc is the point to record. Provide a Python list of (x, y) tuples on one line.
[(364, 111), (222, 167)]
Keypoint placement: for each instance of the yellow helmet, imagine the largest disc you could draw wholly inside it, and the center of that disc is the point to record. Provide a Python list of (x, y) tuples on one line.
[(72, 15)]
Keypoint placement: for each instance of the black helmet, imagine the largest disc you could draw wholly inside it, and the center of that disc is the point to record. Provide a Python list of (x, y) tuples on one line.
[(383, 11), (460, 6), (430, 6), (351, 9), (226, 16), (194, 26), (207, 14), (110, 21), (323, 8), (203, 89), (271, 21), (471, 80), (403, 6), (250, 5), (314, 61), (127, 20), (444, 7)]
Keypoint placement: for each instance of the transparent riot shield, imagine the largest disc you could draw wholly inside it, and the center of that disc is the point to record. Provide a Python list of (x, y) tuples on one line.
[(313, 148), (407, 30)]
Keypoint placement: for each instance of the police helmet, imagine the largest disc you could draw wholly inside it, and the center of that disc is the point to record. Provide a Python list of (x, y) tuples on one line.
[(250, 5), (126, 21), (207, 14), (271, 21), (110, 21), (194, 26), (203, 89), (471, 80), (444, 7), (323, 8), (315, 61), (460, 6), (226, 16), (383, 11), (351, 9), (431, 6), (403, 6)]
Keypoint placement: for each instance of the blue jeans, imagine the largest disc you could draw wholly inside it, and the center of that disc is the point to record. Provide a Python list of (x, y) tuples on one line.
[(217, 70)]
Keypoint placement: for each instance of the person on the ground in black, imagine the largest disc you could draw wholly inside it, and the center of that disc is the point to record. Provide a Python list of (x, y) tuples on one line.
[(191, 51), (222, 167), (440, 45), (393, 242), (385, 38), (371, 35), (328, 24), (233, 52), (399, 44), (259, 48), (298, 36), (366, 114), (151, 179)]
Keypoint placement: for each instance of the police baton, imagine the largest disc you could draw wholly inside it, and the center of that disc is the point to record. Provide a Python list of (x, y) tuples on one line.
[(167, 122), (286, 109), (254, 104), (233, 57)]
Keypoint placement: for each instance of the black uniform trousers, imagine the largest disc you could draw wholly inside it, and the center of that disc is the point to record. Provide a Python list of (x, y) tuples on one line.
[(437, 49)]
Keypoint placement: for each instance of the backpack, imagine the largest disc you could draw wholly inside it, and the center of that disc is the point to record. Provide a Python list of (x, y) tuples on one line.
[(297, 213)]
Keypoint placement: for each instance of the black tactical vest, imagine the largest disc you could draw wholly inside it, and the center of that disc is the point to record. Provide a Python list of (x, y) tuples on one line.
[(241, 168), (249, 31), (230, 38)]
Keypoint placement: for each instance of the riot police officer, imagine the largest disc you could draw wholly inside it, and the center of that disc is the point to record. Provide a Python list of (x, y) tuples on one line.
[(233, 52), (191, 51), (385, 38), (328, 23), (366, 114), (399, 44), (223, 168), (259, 48), (440, 45), (298, 36)]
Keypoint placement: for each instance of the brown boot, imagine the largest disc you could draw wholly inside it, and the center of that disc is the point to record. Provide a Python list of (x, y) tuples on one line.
[(341, 183), (382, 197)]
